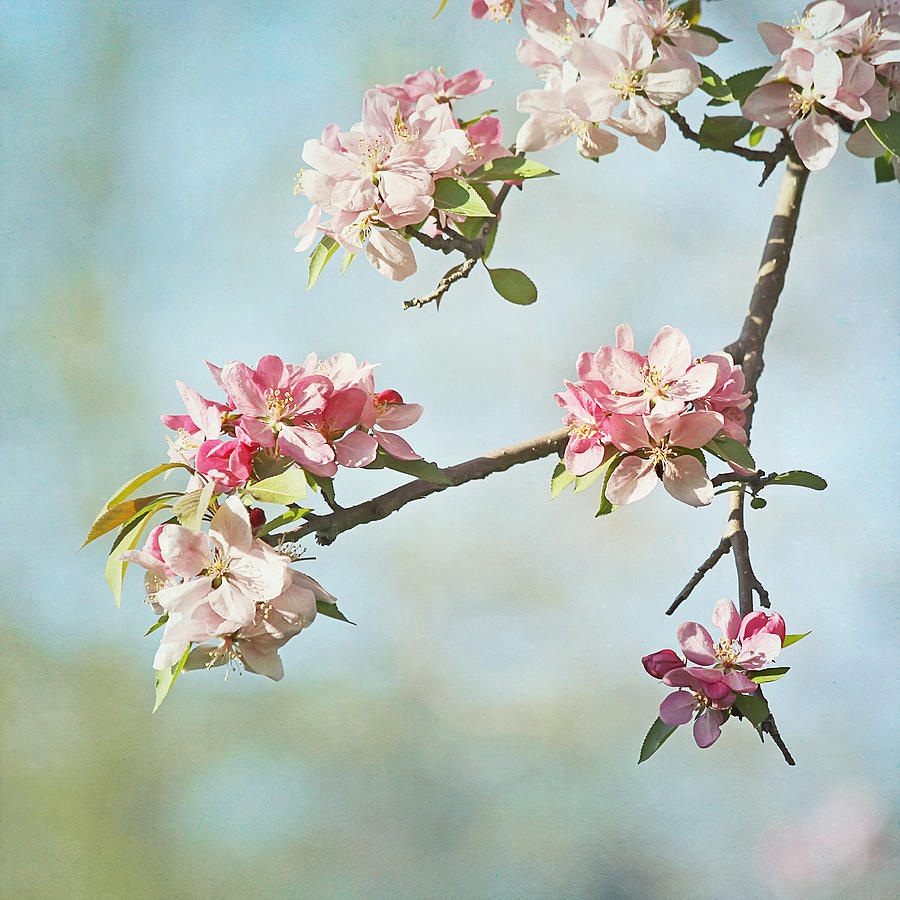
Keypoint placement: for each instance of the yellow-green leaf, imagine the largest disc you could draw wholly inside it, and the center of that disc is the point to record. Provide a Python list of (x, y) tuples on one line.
[(191, 507), (288, 487), (165, 678)]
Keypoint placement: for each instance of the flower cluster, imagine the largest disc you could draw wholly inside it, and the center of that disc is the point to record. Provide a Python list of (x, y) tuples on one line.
[(227, 587), (838, 63), (319, 415), (708, 690), (379, 177), (615, 67), (646, 417)]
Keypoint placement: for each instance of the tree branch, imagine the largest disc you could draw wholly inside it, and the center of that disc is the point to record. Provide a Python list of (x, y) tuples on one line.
[(327, 527), (722, 549)]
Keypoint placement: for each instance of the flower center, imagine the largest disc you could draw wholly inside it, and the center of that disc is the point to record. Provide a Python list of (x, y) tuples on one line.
[(278, 402), (498, 10), (801, 104), (727, 653), (627, 82), (701, 701), (227, 654)]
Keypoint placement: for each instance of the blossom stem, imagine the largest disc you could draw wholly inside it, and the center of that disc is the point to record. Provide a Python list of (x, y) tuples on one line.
[(721, 549), (327, 527)]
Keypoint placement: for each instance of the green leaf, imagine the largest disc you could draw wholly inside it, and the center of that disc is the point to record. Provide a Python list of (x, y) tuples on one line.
[(731, 451), (288, 487), (658, 734), (560, 480), (189, 508), (325, 249), (510, 168), (583, 482), (165, 678), (722, 132), (757, 503), (115, 567), (756, 135), (465, 123), (801, 479), (418, 468), (793, 638), (743, 83), (714, 85), (121, 513), (472, 228), (320, 482), (764, 675), (345, 262), (606, 507), (159, 624), (753, 708), (887, 133), (702, 29), (453, 195), (323, 607), (127, 490), (288, 517), (513, 285)]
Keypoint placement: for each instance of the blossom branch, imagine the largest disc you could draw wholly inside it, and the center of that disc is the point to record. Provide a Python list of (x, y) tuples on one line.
[(455, 274), (770, 728), (721, 549), (327, 527), (769, 158)]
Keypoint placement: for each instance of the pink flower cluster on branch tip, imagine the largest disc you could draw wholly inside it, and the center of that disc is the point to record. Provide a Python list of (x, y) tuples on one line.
[(837, 60), (648, 416), (613, 67), (225, 587), (320, 415), (379, 177), (708, 690)]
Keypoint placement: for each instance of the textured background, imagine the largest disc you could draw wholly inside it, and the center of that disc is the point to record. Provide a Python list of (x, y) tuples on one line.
[(476, 734)]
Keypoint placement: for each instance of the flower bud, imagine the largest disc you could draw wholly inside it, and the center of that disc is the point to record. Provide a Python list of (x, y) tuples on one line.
[(663, 661), (388, 396), (758, 621), (257, 518)]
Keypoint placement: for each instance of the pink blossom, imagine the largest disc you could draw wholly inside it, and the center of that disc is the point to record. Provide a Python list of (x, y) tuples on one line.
[(203, 422), (660, 663), (227, 463), (726, 396), (437, 85), (663, 23), (707, 696), (590, 438), (747, 644), (656, 445)]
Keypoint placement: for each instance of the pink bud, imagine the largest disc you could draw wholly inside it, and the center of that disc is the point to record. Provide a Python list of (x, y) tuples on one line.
[(389, 396), (758, 621), (257, 518), (663, 661)]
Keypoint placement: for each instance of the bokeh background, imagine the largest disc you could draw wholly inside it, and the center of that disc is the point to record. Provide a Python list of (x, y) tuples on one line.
[(476, 734)]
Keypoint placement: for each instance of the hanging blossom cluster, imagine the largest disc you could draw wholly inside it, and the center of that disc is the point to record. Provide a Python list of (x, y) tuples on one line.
[(379, 177), (723, 671), (610, 66), (319, 415), (642, 419), (837, 64), (224, 588)]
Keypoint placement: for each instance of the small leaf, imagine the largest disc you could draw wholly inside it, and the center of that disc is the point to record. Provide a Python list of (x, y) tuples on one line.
[(510, 168), (288, 487), (722, 132), (753, 708), (513, 285), (583, 482), (165, 678), (190, 507), (126, 490), (702, 29), (757, 503), (887, 133), (325, 249), (801, 479), (793, 638), (453, 195), (884, 170), (560, 480), (288, 517), (345, 262), (606, 506), (465, 123), (324, 608), (743, 83), (471, 228), (159, 624), (658, 734), (714, 85), (121, 513), (320, 482), (764, 675), (756, 135), (418, 468), (731, 451), (115, 567)]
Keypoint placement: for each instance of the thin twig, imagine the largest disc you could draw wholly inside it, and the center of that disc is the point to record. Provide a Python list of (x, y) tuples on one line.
[(444, 285), (722, 549), (769, 158), (771, 729), (326, 528)]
